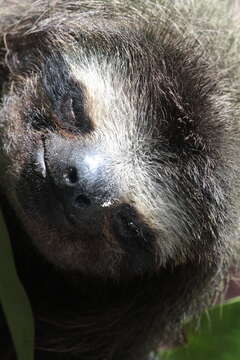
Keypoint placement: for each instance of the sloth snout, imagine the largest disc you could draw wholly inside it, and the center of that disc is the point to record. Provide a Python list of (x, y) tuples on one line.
[(80, 183), (82, 188)]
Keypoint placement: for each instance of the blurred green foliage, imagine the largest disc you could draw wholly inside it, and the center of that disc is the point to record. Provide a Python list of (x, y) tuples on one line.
[(215, 337), (14, 301)]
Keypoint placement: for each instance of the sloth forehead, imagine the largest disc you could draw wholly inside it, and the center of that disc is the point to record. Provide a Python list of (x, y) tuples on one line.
[(145, 101), (108, 92), (139, 94)]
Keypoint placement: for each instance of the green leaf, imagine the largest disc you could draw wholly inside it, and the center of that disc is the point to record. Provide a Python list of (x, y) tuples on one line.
[(14, 301), (217, 338)]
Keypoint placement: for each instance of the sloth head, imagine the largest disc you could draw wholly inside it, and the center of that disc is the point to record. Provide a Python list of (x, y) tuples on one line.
[(114, 147)]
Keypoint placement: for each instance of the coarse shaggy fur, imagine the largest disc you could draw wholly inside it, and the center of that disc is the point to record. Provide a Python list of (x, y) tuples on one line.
[(119, 151)]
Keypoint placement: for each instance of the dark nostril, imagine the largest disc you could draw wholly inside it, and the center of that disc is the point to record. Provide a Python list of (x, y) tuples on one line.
[(82, 201), (71, 176)]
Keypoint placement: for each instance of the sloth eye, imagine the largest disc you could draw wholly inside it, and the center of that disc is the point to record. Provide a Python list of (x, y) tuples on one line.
[(71, 115), (69, 118), (66, 98)]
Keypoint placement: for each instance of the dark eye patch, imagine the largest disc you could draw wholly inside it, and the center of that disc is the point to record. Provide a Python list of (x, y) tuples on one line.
[(66, 96), (71, 114)]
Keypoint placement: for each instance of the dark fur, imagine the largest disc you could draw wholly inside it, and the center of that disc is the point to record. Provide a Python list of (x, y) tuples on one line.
[(119, 282)]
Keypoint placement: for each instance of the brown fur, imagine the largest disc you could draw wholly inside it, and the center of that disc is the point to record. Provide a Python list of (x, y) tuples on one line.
[(143, 99)]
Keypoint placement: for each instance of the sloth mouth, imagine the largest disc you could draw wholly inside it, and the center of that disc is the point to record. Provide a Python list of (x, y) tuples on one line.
[(127, 226)]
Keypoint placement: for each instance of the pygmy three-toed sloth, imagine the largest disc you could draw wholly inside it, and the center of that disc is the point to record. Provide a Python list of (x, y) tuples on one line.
[(119, 155)]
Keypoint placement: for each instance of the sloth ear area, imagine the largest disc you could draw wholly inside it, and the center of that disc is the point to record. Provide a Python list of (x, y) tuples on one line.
[(17, 51), (14, 51), (4, 67)]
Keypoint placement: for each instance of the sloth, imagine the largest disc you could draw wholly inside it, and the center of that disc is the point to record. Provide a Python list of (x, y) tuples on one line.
[(119, 152)]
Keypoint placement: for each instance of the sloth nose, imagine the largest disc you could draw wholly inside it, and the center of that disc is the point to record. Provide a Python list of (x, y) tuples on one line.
[(83, 190), (83, 184), (81, 197)]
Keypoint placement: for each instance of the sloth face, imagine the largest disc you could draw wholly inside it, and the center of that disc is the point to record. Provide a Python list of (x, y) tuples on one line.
[(112, 152)]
